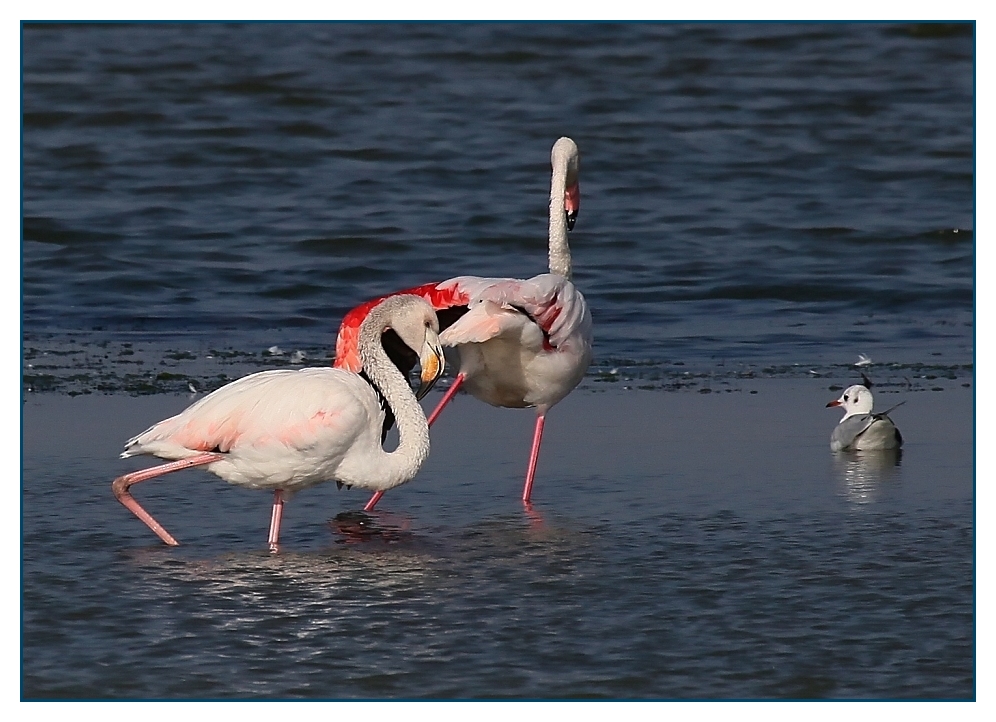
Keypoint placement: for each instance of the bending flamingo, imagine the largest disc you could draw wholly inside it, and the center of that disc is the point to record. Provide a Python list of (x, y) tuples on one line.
[(287, 430), (522, 343)]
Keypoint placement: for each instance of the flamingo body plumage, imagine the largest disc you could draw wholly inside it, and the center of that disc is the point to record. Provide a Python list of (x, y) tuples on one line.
[(281, 429), (522, 343)]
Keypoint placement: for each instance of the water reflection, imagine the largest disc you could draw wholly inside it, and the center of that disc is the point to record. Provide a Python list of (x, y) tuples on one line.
[(354, 527), (369, 556), (864, 475), (536, 522)]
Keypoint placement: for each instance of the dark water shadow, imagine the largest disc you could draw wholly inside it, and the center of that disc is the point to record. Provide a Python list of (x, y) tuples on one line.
[(371, 528)]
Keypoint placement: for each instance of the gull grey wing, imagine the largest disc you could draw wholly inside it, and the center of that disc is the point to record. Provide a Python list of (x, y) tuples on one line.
[(848, 430)]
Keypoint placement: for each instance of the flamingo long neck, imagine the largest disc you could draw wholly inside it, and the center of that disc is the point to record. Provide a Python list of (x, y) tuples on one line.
[(395, 467), (560, 252)]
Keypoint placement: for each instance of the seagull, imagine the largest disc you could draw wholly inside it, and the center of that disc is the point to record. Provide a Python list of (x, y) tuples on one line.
[(860, 429)]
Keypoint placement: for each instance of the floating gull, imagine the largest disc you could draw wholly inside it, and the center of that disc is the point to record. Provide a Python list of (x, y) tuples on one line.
[(860, 429)]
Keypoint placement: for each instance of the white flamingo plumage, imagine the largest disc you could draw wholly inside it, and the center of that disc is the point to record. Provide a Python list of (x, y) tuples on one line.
[(287, 430), (522, 343)]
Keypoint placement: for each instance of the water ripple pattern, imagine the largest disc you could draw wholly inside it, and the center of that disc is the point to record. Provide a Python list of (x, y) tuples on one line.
[(751, 193)]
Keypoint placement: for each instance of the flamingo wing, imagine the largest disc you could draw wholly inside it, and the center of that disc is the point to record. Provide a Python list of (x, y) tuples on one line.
[(448, 298), (550, 300), (485, 321)]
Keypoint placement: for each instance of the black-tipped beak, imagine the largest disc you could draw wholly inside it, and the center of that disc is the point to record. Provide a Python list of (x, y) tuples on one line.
[(572, 203), (432, 362)]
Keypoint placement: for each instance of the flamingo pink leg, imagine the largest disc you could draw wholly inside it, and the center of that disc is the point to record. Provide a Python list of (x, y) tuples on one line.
[(122, 484), (373, 501), (447, 397), (275, 517), (534, 456)]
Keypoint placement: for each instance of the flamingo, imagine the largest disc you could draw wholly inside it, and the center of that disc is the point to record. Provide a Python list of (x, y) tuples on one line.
[(522, 343), (287, 430), (860, 429)]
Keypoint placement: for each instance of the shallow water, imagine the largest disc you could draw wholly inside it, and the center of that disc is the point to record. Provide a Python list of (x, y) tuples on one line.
[(760, 204), (681, 545)]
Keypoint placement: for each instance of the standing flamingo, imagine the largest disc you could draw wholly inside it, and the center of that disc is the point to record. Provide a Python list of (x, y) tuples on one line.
[(522, 343), (287, 430)]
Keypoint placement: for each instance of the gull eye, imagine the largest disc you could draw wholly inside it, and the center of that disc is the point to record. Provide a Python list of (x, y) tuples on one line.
[(845, 397)]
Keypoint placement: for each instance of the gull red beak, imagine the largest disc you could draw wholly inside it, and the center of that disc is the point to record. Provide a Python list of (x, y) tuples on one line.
[(836, 402)]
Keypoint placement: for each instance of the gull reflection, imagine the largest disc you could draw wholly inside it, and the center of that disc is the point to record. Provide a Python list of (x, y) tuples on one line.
[(863, 475)]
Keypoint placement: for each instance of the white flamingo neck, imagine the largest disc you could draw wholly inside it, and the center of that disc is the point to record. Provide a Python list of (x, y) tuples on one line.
[(396, 467), (560, 252)]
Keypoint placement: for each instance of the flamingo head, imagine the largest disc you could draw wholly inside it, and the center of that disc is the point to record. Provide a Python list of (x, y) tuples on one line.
[(565, 155), (572, 202), (419, 330)]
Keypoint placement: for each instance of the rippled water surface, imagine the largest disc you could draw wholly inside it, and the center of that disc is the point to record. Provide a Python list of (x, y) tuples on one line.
[(760, 204), (751, 193), (681, 545)]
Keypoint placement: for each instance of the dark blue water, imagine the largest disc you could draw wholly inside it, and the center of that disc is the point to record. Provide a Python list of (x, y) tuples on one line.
[(760, 204), (752, 194)]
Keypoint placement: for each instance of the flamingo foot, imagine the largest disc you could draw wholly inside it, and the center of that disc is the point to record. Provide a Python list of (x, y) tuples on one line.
[(535, 518)]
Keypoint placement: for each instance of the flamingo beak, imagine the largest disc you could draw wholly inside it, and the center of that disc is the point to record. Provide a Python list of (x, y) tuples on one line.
[(432, 362), (835, 402), (572, 203)]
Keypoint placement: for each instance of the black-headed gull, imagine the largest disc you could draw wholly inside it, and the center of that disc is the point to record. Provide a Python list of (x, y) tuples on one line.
[(861, 429)]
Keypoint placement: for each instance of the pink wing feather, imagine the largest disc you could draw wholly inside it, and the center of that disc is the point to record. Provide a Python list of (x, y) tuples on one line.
[(551, 300), (447, 294)]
